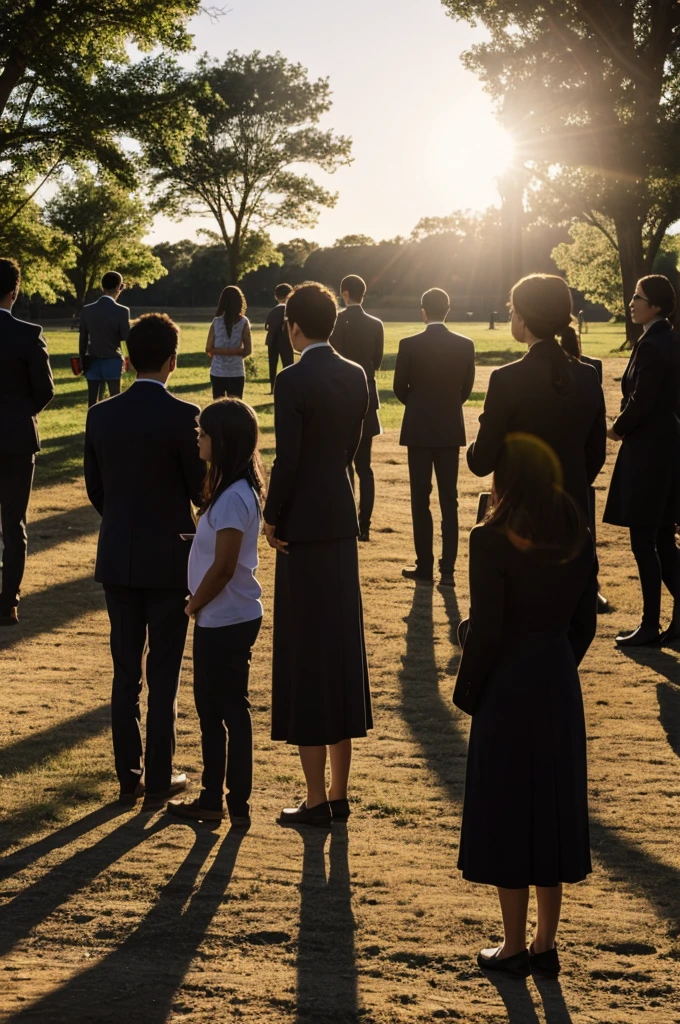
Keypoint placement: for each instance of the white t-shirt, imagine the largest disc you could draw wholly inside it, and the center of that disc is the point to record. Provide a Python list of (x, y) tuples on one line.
[(228, 366), (238, 509)]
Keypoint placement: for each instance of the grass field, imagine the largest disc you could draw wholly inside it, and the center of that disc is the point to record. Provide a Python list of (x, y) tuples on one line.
[(109, 915)]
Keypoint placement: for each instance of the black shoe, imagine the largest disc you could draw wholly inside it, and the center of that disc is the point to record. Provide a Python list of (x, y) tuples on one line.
[(365, 535), (303, 815), (9, 618), (192, 809), (546, 963), (178, 783), (516, 966), (340, 809), (239, 820), (603, 605), (643, 636), (131, 796), (446, 580), (414, 574), (671, 635)]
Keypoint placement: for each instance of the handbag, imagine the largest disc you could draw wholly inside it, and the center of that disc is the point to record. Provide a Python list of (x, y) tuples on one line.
[(76, 366)]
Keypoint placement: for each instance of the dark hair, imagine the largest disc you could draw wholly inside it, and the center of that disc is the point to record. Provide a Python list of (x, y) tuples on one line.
[(282, 291), (571, 343), (231, 307), (543, 301), (233, 430), (111, 281), (660, 292), (529, 498), (355, 287), (153, 338), (314, 309), (10, 276), (436, 303)]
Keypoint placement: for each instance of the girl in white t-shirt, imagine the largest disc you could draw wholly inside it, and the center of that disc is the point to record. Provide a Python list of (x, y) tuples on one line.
[(229, 343), (225, 603)]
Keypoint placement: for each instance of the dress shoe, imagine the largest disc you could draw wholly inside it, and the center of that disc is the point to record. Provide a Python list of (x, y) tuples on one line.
[(192, 809), (546, 963), (516, 966), (365, 535), (340, 809), (446, 580), (10, 618), (414, 574), (603, 605), (239, 820), (671, 635), (178, 783), (131, 796), (643, 636), (320, 815)]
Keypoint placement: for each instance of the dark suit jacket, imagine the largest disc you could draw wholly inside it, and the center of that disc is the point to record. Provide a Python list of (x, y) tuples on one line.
[(361, 338), (26, 384), (277, 329), (595, 363), (104, 324), (433, 378), (142, 472), (319, 406), (521, 398)]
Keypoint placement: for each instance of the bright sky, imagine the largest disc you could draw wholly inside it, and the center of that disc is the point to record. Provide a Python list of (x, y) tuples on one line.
[(425, 141)]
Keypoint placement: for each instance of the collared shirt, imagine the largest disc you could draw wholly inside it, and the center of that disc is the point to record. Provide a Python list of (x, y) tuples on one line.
[(150, 380), (650, 323), (435, 323), (317, 344), (3, 309)]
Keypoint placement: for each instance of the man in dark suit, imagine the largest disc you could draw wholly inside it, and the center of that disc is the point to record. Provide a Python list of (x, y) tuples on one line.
[(142, 473), (104, 325), (277, 341), (26, 387), (361, 338), (433, 378)]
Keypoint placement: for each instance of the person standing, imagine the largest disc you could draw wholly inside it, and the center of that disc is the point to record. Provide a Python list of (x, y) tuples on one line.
[(361, 338), (320, 689), (644, 493), (433, 378), (26, 387), (104, 325), (229, 343), (142, 474), (277, 340)]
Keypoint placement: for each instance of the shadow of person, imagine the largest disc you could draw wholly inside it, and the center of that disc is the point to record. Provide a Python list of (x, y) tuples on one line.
[(554, 1006), (326, 963), (669, 713), (139, 979), (516, 998)]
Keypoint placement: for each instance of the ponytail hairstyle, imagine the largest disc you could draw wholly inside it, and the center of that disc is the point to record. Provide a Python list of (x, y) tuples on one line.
[(543, 301), (660, 292), (233, 430), (231, 307)]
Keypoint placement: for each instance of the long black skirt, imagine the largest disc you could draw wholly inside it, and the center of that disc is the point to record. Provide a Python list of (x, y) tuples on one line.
[(320, 688)]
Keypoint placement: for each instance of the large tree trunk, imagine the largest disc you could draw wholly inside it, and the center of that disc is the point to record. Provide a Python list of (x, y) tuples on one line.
[(632, 258)]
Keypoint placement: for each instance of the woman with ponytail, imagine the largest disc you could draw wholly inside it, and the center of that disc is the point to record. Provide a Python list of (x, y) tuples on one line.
[(644, 493), (225, 603)]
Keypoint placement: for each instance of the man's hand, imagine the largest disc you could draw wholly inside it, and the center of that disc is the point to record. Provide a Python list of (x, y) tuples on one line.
[(613, 436), (273, 540), (190, 609)]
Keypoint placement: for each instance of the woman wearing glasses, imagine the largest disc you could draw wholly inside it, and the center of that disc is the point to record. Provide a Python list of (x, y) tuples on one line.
[(644, 494)]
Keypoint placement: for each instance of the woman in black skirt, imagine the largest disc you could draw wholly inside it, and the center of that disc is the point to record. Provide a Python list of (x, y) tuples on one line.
[(644, 493), (525, 816), (320, 691)]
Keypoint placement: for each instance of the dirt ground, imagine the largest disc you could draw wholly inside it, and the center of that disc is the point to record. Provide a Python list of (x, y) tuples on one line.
[(116, 916)]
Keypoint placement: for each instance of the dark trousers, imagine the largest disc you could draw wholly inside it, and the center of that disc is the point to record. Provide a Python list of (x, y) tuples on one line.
[(221, 670), (658, 561), (421, 462), (287, 359), (232, 387), (364, 470), (96, 389), (16, 479), (142, 618)]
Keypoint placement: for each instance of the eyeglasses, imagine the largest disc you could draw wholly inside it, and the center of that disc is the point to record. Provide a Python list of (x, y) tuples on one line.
[(640, 298)]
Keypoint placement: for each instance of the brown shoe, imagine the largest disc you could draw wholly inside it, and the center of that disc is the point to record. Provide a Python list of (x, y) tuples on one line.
[(192, 809), (131, 796), (10, 618), (178, 783)]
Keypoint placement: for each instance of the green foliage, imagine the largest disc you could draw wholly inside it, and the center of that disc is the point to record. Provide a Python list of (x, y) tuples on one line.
[(258, 126), (44, 252), (352, 241), (591, 263), (107, 225), (296, 252)]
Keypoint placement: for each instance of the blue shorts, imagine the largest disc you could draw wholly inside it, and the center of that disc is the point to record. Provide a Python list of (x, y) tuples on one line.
[(104, 369)]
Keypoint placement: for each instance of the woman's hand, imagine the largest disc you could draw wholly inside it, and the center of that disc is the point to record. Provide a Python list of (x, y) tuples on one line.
[(273, 540), (613, 436), (190, 608)]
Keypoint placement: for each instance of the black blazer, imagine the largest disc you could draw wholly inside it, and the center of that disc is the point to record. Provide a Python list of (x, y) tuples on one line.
[(361, 338), (319, 406), (644, 486), (595, 363), (142, 472), (26, 384), (433, 378), (521, 398), (277, 329)]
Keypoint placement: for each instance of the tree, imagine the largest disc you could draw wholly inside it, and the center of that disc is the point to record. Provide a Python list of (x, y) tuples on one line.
[(352, 241), (591, 93), (44, 252), (296, 251), (259, 119), (107, 226)]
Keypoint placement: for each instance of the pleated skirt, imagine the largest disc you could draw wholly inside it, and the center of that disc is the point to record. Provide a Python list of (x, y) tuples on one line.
[(320, 686)]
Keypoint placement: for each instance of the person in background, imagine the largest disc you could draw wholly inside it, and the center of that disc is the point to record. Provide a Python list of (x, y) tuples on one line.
[(320, 690), (361, 338), (143, 474), (644, 493), (277, 341), (225, 604), (26, 387), (433, 378), (229, 343), (104, 326)]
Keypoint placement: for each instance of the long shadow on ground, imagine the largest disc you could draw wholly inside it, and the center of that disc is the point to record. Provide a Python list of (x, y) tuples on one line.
[(74, 524), (54, 607)]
